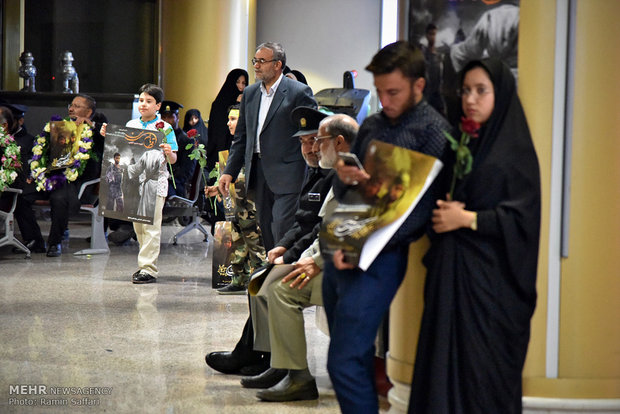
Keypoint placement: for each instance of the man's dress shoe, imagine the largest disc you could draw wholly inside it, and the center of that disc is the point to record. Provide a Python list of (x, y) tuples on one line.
[(267, 379), (229, 362), (289, 390)]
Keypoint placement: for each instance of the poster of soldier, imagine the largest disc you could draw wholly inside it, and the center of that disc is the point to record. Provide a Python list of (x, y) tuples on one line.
[(129, 173)]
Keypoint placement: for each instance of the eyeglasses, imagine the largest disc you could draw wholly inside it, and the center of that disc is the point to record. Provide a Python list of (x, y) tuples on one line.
[(262, 61), (72, 105), (318, 138), (479, 92), (306, 140)]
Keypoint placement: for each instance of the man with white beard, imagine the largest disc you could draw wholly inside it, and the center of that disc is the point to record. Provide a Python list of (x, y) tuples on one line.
[(301, 288)]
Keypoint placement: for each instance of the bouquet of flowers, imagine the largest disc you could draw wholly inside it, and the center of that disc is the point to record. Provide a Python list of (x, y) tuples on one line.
[(10, 161), (464, 160), (81, 149)]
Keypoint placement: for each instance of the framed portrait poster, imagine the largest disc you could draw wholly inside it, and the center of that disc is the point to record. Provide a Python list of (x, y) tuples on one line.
[(129, 173), (453, 32)]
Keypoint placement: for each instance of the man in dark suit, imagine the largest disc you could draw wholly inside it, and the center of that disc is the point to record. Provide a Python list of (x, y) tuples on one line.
[(274, 166)]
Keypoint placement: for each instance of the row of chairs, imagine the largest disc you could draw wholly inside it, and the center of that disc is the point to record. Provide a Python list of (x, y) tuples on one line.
[(188, 208), (177, 206)]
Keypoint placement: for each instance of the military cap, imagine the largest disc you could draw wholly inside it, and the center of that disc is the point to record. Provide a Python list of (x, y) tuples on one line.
[(17, 110), (307, 120), (169, 106)]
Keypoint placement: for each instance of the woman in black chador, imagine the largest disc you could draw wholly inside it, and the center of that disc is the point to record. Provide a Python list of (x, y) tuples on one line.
[(480, 290), (230, 94)]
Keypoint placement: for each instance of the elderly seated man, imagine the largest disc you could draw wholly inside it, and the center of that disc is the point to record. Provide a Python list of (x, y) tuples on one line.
[(301, 288), (244, 359)]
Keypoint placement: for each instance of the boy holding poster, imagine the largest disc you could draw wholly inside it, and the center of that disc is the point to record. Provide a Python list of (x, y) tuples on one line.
[(149, 235)]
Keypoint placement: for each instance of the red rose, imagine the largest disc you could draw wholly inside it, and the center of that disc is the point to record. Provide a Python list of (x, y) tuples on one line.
[(159, 125), (470, 127), (192, 133)]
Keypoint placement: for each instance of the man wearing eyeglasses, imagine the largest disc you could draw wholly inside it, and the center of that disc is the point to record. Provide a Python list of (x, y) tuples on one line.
[(273, 163), (83, 109), (281, 311), (64, 200), (249, 357)]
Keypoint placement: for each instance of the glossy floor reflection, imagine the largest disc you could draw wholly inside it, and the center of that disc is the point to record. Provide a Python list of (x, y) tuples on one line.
[(79, 322)]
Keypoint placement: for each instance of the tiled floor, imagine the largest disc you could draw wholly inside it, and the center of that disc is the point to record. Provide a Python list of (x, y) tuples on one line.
[(78, 322)]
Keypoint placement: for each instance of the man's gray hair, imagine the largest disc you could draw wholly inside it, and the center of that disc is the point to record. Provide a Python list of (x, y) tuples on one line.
[(277, 49), (341, 124)]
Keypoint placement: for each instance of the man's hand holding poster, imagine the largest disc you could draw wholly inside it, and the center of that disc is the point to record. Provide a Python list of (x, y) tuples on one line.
[(370, 213)]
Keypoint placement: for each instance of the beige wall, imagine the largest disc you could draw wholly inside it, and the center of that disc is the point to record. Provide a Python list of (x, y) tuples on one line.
[(589, 348), (196, 50), (590, 344), (536, 63), (590, 323), (13, 42)]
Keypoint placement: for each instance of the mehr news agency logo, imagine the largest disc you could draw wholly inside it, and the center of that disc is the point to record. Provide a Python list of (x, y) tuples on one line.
[(43, 395)]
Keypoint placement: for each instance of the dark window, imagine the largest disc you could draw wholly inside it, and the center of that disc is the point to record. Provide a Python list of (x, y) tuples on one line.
[(114, 43)]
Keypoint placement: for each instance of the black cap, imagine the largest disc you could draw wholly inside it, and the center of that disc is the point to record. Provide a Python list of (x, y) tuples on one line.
[(307, 120), (169, 106)]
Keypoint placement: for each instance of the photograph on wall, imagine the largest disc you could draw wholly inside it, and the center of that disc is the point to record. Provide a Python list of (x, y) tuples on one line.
[(129, 173), (369, 214), (454, 32)]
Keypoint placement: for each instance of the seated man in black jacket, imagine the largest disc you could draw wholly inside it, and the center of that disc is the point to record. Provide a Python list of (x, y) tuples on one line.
[(243, 359), (63, 200)]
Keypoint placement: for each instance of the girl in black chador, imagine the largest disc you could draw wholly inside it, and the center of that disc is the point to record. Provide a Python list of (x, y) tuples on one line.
[(193, 120), (480, 290), (230, 94)]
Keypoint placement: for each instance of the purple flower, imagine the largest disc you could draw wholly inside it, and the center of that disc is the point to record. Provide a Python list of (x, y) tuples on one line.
[(83, 150), (56, 118), (35, 158)]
